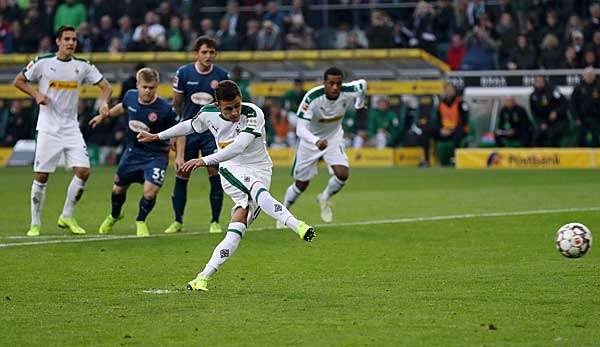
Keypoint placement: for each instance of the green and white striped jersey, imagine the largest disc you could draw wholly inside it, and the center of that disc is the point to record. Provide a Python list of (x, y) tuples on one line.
[(324, 115), (252, 120)]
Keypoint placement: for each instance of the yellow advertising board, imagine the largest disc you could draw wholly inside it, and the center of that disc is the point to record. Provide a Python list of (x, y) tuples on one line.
[(5, 153), (370, 157), (411, 156), (529, 158)]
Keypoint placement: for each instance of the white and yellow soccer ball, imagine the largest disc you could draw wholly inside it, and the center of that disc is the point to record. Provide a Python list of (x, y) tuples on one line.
[(573, 240)]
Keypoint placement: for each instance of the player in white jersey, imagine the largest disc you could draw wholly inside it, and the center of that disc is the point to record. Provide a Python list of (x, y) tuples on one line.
[(59, 76), (319, 129), (244, 165)]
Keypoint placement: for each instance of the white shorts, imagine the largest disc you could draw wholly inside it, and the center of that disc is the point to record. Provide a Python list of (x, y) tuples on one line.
[(308, 155), (50, 147), (237, 181)]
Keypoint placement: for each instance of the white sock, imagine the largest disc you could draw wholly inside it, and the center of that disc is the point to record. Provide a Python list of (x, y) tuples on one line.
[(225, 249), (291, 194), (74, 193), (272, 207), (333, 186), (38, 195)]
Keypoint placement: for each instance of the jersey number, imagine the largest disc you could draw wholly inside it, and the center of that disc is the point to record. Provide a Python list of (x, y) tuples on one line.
[(158, 174)]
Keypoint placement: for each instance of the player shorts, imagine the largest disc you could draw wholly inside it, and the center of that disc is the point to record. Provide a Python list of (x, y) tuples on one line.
[(308, 155), (138, 168), (237, 181), (194, 143), (49, 149)]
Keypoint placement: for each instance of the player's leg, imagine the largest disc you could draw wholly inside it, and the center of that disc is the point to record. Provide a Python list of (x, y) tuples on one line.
[(179, 197), (76, 156), (335, 157), (117, 199), (224, 250), (48, 150), (208, 146), (147, 203)]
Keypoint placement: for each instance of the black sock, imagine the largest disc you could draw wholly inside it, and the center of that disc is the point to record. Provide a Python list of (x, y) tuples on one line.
[(216, 197), (117, 201), (179, 198), (145, 208)]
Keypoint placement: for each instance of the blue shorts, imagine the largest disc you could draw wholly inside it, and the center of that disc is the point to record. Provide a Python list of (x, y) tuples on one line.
[(138, 168), (195, 142)]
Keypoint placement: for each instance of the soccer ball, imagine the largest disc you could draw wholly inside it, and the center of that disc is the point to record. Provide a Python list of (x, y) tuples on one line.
[(573, 240)]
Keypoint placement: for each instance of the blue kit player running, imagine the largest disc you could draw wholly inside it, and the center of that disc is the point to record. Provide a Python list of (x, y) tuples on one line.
[(142, 162), (193, 87)]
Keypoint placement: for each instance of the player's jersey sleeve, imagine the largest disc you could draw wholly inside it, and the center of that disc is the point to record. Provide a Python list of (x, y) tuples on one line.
[(92, 75), (255, 123), (198, 123), (179, 81), (305, 110), (33, 70), (356, 89), (173, 117)]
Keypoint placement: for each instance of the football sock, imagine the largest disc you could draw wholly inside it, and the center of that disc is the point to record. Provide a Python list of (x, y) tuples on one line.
[(117, 201), (333, 186), (179, 197), (216, 197), (145, 208), (38, 195), (272, 207), (225, 249), (74, 193), (291, 194)]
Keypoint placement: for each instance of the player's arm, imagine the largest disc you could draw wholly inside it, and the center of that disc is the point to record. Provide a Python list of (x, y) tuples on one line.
[(180, 129), (179, 142), (105, 94), (20, 82), (116, 111), (360, 87), (305, 115), (236, 148)]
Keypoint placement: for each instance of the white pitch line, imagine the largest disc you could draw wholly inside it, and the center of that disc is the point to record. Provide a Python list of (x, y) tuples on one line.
[(75, 239)]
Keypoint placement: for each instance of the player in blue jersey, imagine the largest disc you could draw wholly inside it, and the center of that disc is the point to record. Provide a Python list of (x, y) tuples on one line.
[(142, 162), (193, 87)]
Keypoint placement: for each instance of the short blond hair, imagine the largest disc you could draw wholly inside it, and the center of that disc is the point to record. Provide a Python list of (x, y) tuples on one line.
[(147, 74)]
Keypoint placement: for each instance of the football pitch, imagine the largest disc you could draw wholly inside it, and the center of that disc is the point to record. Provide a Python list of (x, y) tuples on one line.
[(414, 257)]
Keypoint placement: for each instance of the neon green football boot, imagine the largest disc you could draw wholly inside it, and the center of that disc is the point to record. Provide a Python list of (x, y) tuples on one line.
[(142, 228), (107, 225), (175, 227), (306, 232), (34, 230), (71, 224), (215, 228), (199, 283)]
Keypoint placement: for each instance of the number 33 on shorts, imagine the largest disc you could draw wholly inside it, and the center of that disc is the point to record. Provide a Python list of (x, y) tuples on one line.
[(158, 175)]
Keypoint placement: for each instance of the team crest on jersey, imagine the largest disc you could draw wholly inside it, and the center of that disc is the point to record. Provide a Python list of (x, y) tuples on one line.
[(305, 107), (76, 71), (152, 117), (214, 84)]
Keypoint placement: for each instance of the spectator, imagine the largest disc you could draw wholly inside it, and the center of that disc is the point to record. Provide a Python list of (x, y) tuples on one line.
[(45, 45), (165, 14), (570, 60), (451, 123), (9, 10), (551, 55), (274, 15), (574, 24), (99, 9), (549, 109), (85, 38), (250, 41), (380, 33), (421, 32), (552, 26), (577, 43), (226, 39), (585, 103), (514, 127), (444, 21), (4, 34), (189, 33), (125, 32), (269, 37), (384, 125), (105, 34), (480, 50), (279, 124), (506, 32), (151, 32), (589, 59), (19, 126), (207, 29), (475, 8), (456, 52), (33, 21), (47, 15), (595, 44), (115, 46), (292, 98), (232, 17), (70, 13), (15, 42), (299, 10), (594, 22), (299, 35), (523, 56), (174, 35)]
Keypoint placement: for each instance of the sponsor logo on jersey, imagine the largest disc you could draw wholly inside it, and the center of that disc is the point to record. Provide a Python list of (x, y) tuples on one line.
[(305, 107), (201, 98), (225, 144), (152, 117), (332, 119), (68, 85), (192, 83), (214, 84), (137, 126)]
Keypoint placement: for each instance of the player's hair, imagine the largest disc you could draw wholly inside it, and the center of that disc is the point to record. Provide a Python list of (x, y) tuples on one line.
[(333, 71), (147, 74), (227, 90), (204, 40), (62, 29)]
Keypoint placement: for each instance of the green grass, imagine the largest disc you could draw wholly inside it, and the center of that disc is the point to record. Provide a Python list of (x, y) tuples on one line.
[(473, 281)]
